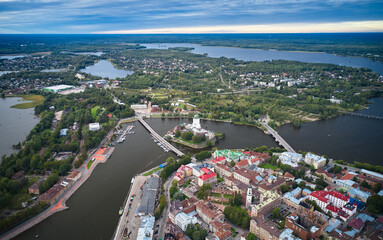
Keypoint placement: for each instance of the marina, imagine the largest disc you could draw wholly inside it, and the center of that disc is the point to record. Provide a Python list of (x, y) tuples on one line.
[(123, 133)]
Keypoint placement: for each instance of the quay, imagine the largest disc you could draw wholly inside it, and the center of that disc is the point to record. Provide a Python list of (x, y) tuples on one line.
[(129, 223), (278, 138), (160, 139)]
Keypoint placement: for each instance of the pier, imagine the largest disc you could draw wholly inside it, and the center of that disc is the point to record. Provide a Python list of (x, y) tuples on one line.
[(159, 138), (127, 131), (365, 115), (278, 138)]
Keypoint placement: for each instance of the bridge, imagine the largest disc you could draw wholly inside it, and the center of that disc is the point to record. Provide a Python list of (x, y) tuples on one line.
[(159, 138), (364, 115), (278, 138)]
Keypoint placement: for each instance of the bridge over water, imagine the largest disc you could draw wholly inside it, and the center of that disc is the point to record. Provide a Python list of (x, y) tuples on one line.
[(364, 115), (159, 138), (278, 138)]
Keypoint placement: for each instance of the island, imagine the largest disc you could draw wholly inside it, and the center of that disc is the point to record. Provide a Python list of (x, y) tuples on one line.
[(192, 135)]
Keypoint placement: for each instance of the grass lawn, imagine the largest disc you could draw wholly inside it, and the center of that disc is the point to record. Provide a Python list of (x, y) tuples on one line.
[(34, 101), (269, 166), (94, 111), (228, 196), (152, 171), (216, 195), (89, 164)]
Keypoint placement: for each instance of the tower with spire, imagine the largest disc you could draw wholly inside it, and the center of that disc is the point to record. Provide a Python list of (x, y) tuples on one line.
[(249, 196)]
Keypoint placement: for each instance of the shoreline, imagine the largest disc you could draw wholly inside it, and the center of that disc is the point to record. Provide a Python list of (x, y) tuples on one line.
[(60, 203)]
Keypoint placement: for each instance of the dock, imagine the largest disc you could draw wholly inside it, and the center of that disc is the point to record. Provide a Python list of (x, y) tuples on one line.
[(364, 115), (127, 131), (128, 223)]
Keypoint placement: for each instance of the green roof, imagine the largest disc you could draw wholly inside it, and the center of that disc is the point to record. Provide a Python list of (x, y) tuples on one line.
[(196, 116)]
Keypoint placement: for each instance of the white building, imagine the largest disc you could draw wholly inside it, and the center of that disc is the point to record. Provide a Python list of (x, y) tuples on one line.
[(249, 196), (290, 158), (145, 232), (196, 122), (182, 220), (94, 126), (315, 160), (138, 106), (287, 234)]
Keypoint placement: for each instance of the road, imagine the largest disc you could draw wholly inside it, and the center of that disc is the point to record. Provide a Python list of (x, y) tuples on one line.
[(223, 82), (128, 218), (165, 213), (278, 138)]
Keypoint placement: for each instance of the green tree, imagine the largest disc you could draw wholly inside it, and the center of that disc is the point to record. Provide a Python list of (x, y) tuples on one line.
[(276, 212), (285, 188), (375, 204), (187, 136), (251, 236), (177, 134)]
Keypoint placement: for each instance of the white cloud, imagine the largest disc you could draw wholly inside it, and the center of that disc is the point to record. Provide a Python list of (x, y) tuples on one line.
[(357, 26)]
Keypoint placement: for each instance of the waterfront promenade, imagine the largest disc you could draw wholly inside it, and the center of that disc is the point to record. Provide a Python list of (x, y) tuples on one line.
[(128, 219), (100, 154)]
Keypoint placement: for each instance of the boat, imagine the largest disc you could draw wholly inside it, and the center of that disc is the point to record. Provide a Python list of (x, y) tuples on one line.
[(121, 211)]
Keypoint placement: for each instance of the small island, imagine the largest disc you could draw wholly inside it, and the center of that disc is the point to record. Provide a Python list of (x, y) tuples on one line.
[(193, 135)]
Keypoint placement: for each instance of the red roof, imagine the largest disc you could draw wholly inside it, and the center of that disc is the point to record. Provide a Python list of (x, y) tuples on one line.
[(110, 115), (205, 170), (219, 159), (207, 176), (357, 224), (339, 195), (332, 208), (288, 175), (242, 163), (348, 176), (320, 195)]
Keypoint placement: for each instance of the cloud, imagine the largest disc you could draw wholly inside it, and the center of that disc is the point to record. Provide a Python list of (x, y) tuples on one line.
[(62, 16), (363, 26)]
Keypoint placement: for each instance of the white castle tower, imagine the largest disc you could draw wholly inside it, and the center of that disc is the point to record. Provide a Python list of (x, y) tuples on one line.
[(249, 196), (196, 122)]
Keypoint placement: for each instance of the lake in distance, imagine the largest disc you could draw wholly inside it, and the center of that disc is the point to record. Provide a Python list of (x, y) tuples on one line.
[(15, 123), (105, 69)]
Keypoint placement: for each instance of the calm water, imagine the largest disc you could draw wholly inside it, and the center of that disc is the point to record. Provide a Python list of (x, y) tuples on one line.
[(15, 124), (349, 138), (263, 55), (93, 210), (10, 57), (90, 53), (54, 70), (106, 69)]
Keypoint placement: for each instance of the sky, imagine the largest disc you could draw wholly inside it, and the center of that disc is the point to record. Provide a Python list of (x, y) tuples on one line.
[(189, 16)]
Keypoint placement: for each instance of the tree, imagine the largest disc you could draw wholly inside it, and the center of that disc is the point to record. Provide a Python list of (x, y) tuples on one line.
[(237, 200), (375, 204), (365, 184), (204, 191), (187, 136), (251, 236), (203, 155), (179, 196), (177, 134), (377, 187), (285, 188), (276, 212), (232, 164), (196, 139)]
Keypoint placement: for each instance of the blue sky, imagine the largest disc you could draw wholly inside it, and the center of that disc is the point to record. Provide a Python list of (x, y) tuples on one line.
[(188, 16)]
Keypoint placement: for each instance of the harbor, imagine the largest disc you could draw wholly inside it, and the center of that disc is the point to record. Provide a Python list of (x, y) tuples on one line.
[(122, 133)]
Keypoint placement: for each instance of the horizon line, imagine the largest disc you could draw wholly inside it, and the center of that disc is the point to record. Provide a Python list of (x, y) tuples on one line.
[(330, 27)]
